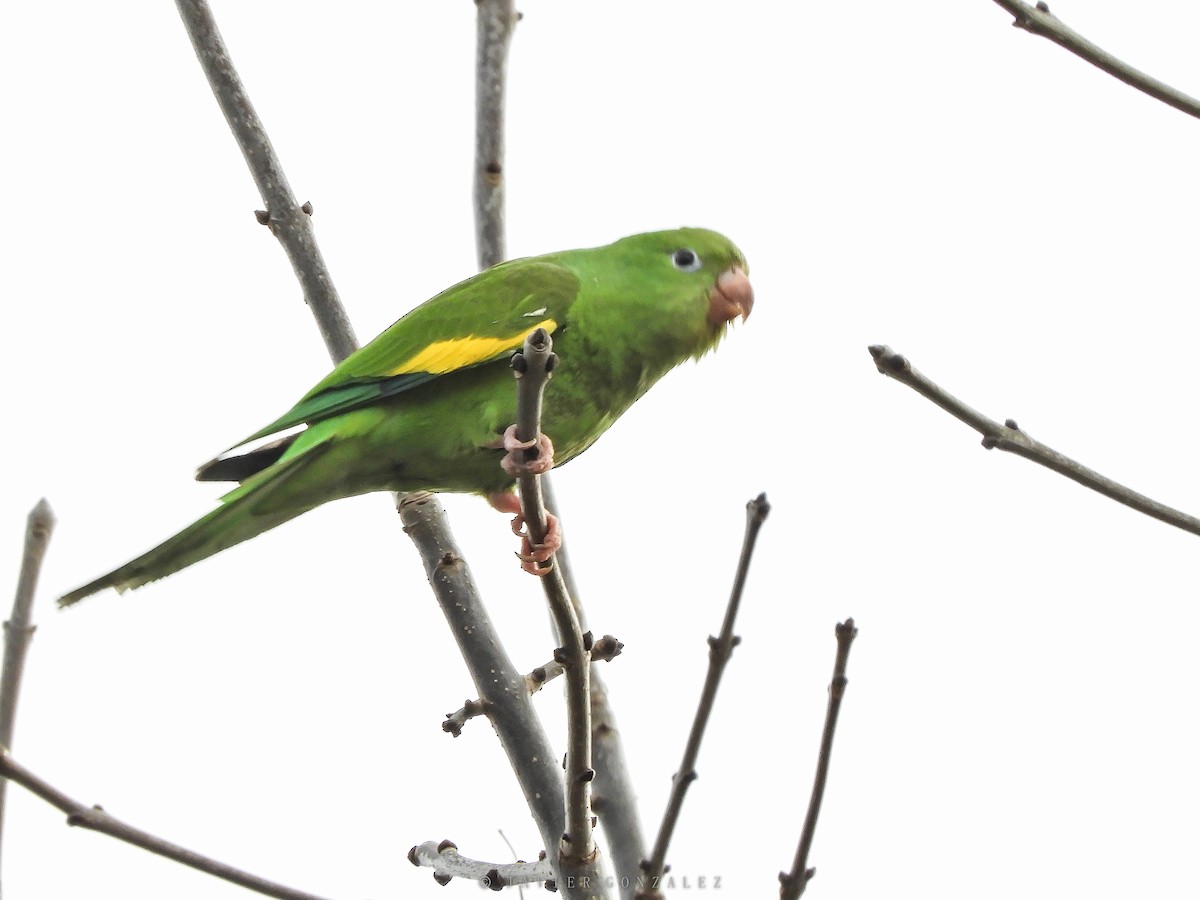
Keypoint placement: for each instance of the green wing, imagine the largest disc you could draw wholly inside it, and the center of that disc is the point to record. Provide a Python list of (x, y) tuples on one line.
[(475, 322)]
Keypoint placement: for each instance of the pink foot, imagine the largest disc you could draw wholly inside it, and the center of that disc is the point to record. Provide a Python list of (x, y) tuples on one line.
[(515, 464), (533, 555)]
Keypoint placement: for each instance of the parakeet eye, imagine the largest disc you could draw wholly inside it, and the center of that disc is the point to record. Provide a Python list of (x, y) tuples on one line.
[(686, 260)]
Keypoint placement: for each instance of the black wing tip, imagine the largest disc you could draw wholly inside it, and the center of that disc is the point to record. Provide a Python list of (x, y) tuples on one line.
[(239, 468)]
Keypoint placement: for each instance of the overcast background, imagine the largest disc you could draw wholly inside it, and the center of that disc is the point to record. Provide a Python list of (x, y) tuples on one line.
[(1021, 709)]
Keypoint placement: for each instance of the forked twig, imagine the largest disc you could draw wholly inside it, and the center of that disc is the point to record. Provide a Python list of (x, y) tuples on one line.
[(603, 650), (1010, 438), (500, 684), (447, 863), (720, 650), (614, 800)]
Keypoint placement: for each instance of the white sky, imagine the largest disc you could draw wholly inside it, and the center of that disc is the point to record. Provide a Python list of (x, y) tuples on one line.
[(1020, 716)]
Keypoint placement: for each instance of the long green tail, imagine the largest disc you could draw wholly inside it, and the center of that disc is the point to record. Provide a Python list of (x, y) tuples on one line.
[(245, 512)]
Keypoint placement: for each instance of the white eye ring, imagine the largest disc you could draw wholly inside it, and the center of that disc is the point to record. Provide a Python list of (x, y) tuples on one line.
[(686, 260)]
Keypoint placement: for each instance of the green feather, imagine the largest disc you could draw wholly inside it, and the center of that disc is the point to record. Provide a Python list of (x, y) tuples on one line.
[(422, 406)]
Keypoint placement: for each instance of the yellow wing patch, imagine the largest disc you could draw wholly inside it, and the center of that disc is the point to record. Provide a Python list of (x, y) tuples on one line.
[(447, 356)]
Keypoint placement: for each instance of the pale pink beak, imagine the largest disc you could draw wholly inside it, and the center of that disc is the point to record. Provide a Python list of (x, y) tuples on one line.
[(731, 297)]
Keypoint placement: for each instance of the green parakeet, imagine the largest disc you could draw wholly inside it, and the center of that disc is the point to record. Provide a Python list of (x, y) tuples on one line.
[(424, 405)]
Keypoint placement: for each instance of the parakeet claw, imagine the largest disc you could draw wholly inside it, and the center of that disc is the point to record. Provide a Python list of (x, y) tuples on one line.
[(515, 464), (531, 554)]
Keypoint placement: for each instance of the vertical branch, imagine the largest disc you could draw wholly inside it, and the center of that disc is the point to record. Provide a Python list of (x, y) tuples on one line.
[(500, 685), (578, 849), (425, 522), (793, 883), (720, 650), (613, 798), (614, 795), (18, 630), (494, 22), (288, 221)]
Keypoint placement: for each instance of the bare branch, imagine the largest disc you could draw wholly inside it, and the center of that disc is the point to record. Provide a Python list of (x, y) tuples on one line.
[(457, 720), (793, 883), (603, 650), (720, 650), (494, 24), (94, 818), (1010, 438), (532, 367), (613, 794), (500, 685), (290, 222), (613, 797), (18, 630), (578, 847), (1040, 21), (448, 863), (424, 519), (614, 800)]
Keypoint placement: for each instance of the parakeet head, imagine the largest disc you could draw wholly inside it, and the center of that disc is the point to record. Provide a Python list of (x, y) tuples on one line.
[(673, 292)]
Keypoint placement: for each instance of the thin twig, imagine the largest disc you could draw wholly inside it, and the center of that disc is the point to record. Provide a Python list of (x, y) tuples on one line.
[(603, 650), (425, 522), (290, 222), (1040, 21), (94, 818), (793, 883), (720, 650), (614, 800), (1010, 438), (447, 863), (18, 630), (578, 847), (532, 367), (494, 24)]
